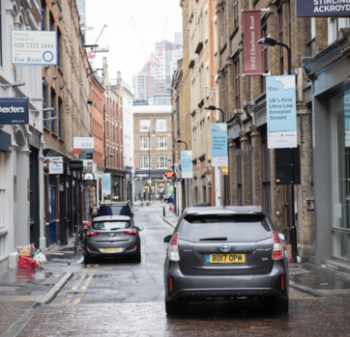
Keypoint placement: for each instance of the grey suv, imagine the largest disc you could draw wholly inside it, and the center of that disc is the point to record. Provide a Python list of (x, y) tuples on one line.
[(225, 253)]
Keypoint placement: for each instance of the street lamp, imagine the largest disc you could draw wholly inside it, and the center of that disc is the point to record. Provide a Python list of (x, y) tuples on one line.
[(180, 141), (110, 156), (268, 42), (213, 108)]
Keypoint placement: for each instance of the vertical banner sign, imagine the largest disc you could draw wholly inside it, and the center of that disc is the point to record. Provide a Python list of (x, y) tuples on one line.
[(106, 184), (219, 151), (186, 164), (252, 50), (281, 112), (347, 118)]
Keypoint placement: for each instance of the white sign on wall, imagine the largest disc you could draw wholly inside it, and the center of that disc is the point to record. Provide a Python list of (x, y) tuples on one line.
[(55, 167), (83, 144), (29, 47), (88, 162)]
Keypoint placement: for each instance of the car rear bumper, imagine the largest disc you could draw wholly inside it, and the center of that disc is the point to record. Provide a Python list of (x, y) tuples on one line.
[(227, 287), (127, 251)]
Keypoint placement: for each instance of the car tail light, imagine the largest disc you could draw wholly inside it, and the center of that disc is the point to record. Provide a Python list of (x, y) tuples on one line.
[(171, 283), (133, 248), (89, 234), (277, 247), (282, 282), (89, 249), (173, 251), (88, 224), (131, 232)]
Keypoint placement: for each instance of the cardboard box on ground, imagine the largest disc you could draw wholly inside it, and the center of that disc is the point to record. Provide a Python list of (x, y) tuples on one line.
[(27, 251)]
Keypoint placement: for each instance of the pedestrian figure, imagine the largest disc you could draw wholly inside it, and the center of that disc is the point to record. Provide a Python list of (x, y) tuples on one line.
[(161, 197), (139, 195), (144, 195)]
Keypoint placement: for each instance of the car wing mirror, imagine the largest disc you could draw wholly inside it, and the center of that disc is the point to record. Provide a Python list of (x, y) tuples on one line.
[(281, 236), (168, 238), (140, 229)]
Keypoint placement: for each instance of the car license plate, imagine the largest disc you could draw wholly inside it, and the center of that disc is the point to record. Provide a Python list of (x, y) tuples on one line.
[(112, 250), (225, 258)]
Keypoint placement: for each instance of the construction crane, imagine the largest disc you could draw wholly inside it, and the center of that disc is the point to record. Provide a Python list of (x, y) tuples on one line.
[(92, 53)]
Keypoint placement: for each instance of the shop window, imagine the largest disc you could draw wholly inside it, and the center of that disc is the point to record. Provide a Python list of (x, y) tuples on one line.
[(161, 143), (162, 162), (145, 124), (144, 143), (52, 198), (145, 162)]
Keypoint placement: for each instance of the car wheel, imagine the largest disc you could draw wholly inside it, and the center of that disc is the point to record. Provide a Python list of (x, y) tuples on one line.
[(276, 306), (88, 260), (173, 308), (137, 258)]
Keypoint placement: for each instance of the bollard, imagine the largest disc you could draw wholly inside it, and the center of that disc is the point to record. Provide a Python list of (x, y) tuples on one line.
[(163, 211)]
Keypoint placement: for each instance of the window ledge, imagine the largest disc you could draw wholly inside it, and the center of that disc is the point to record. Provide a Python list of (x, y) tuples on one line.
[(54, 135), (61, 140), (223, 48), (46, 129), (234, 33)]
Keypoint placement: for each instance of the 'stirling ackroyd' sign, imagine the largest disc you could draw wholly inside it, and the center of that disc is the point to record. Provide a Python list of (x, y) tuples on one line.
[(14, 111), (312, 8)]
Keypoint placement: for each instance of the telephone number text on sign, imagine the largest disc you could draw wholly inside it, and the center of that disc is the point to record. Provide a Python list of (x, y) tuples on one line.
[(33, 45)]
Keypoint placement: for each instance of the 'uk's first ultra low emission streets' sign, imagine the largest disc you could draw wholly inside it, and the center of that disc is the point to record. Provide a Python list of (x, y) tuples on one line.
[(34, 47)]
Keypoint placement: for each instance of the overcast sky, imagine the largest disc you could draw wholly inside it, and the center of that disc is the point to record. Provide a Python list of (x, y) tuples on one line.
[(125, 49)]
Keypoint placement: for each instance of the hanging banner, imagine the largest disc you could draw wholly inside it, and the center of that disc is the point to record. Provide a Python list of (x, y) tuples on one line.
[(106, 185), (34, 47), (219, 151), (186, 164), (313, 8), (14, 111), (251, 48), (281, 112)]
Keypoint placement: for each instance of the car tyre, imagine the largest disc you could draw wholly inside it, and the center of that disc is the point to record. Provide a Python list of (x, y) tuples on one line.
[(173, 308), (277, 306), (137, 258), (88, 260)]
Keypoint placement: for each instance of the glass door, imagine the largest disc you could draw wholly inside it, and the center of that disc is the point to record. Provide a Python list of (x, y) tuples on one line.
[(340, 149)]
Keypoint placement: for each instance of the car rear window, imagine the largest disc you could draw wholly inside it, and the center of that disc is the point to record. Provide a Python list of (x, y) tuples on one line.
[(240, 228), (110, 225), (114, 210)]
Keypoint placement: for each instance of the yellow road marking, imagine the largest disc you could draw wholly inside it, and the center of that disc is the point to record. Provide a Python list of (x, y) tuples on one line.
[(83, 288), (76, 285), (296, 296), (76, 301), (66, 301)]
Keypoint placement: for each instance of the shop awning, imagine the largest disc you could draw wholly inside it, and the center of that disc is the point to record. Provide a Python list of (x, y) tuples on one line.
[(48, 152)]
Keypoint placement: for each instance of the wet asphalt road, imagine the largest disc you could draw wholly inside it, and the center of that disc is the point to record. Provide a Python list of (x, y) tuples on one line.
[(123, 298)]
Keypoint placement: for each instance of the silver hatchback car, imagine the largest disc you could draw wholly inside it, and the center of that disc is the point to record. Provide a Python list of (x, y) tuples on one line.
[(112, 236)]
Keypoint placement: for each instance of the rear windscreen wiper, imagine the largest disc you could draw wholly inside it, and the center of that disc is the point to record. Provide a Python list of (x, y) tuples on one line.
[(209, 239), (113, 229)]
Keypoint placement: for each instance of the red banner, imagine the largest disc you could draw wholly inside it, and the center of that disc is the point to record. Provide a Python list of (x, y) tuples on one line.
[(252, 50)]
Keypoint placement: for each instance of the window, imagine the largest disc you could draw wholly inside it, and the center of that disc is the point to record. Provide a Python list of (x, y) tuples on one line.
[(206, 18), (44, 105), (161, 125), (53, 111), (43, 7), (145, 124), (161, 143), (162, 161), (264, 59), (235, 14), (52, 196), (145, 162), (58, 48), (59, 118), (51, 22), (3, 206), (144, 143), (237, 85), (280, 39), (215, 35)]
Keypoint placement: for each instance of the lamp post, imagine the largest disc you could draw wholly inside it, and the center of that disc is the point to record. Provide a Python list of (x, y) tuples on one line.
[(213, 108), (268, 42), (110, 156)]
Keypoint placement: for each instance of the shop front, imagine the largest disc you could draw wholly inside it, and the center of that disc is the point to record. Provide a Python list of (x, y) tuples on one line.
[(329, 95)]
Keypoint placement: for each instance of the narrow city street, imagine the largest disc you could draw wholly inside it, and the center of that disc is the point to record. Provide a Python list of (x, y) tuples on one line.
[(123, 298)]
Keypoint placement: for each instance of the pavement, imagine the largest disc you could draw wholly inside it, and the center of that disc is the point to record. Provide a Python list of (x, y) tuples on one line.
[(117, 297)]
